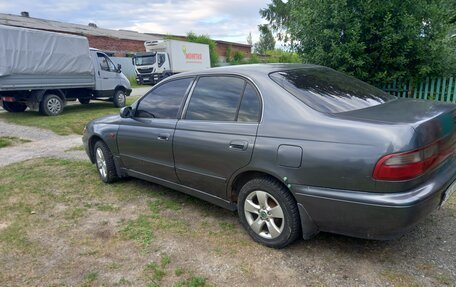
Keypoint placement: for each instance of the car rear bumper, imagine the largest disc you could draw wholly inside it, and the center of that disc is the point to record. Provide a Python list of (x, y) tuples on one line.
[(367, 214)]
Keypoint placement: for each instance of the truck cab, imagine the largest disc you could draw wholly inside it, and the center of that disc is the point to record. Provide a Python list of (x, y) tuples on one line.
[(151, 67)]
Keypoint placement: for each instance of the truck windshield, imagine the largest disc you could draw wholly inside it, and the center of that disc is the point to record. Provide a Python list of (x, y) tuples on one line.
[(145, 60), (328, 91)]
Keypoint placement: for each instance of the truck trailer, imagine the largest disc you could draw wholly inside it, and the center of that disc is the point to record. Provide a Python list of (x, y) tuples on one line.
[(42, 70), (164, 58)]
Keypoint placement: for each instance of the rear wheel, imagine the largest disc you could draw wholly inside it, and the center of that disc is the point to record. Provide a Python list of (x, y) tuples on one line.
[(269, 212), (105, 162), (84, 101), (51, 105), (14, 107), (119, 99)]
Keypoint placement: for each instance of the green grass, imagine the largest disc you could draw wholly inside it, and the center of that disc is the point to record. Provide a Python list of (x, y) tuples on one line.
[(8, 141), (71, 121), (135, 84)]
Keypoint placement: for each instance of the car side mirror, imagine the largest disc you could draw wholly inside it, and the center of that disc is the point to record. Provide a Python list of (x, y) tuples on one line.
[(133, 61), (126, 112), (119, 68)]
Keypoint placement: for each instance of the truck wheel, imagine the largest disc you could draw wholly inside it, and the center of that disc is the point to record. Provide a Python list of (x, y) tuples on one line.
[(84, 101), (14, 107), (119, 99), (51, 105)]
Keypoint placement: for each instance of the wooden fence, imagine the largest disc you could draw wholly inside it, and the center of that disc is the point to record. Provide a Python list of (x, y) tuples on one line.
[(437, 89)]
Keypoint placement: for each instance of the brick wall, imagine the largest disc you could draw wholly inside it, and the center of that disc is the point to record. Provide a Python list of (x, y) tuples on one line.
[(120, 47), (221, 49)]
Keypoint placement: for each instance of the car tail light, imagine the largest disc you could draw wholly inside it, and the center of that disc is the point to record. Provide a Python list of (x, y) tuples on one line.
[(411, 164)]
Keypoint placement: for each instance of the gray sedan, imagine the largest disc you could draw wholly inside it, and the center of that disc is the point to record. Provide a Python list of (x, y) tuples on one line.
[(295, 149)]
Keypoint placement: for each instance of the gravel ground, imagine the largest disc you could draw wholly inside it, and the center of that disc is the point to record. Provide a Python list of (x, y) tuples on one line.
[(43, 143)]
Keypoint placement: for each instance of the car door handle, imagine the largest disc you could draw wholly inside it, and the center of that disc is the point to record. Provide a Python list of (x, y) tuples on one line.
[(163, 137), (239, 144)]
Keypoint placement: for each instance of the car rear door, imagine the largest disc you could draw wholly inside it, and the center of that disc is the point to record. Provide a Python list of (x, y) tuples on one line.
[(145, 141), (217, 132)]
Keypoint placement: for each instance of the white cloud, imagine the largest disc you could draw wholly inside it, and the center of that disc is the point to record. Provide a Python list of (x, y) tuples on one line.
[(222, 20)]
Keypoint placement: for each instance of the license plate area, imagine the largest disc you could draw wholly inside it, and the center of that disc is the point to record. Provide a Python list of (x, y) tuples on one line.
[(448, 193)]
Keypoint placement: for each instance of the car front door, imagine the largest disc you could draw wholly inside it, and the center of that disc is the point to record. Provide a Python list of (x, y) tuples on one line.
[(107, 75), (217, 133), (145, 140)]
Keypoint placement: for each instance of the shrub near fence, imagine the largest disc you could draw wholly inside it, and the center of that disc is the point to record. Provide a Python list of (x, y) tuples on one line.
[(438, 89)]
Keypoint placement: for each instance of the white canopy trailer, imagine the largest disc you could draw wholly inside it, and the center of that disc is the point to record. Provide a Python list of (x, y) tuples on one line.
[(166, 57), (41, 70)]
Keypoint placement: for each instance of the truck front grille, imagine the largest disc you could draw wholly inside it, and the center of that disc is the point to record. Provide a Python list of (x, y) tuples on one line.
[(145, 71)]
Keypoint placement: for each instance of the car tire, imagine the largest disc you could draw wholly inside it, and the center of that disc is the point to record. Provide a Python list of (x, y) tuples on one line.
[(14, 107), (269, 212), (119, 99), (51, 105), (104, 162), (84, 101)]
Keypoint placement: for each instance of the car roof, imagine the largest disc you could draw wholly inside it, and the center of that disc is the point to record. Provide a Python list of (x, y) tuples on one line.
[(251, 69)]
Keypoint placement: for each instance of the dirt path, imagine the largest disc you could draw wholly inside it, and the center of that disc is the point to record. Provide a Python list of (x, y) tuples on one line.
[(43, 143)]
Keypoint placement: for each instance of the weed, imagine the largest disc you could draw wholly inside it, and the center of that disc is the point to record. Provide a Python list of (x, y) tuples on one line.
[(179, 271), (165, 260), (139, 230), (194, 281), (76, 148), (226, 226), (74, 213), (157, 271), (7, 141)]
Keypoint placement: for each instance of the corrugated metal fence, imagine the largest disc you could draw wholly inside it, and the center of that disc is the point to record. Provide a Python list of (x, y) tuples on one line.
[(437, 89)]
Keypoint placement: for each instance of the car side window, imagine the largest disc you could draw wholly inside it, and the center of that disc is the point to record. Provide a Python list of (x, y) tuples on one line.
[(164, 101), (161, 59), (103, 62), (215, 98), (249, 110)]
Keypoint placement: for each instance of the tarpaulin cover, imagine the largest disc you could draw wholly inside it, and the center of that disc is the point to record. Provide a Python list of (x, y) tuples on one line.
[(27, 51)]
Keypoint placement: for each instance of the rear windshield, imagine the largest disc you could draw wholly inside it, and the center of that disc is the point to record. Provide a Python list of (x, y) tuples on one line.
[(328, 91)]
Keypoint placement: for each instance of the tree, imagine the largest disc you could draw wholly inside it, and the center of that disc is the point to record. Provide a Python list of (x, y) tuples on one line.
[(204, 39), (267, 41), (376, 41)]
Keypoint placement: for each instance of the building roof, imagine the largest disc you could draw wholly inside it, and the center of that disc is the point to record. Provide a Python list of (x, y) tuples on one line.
[(78, 29), (56, 26)]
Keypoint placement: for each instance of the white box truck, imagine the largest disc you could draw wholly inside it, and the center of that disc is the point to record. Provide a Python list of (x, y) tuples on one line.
[(42, 70), (164, 58)]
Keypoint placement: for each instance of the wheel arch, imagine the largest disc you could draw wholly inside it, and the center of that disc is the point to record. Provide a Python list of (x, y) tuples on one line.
[(243, 177), (57, 92), (308, 226), (92, 140), (120, 88)]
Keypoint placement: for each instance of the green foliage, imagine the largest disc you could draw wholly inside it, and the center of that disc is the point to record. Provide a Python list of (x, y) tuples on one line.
[(280, 56), (267, 41), (228, 54), (373, 40), (238, 57), (204, 39)]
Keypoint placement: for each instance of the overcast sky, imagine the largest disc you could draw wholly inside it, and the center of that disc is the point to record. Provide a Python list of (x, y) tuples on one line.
[(230, 20)]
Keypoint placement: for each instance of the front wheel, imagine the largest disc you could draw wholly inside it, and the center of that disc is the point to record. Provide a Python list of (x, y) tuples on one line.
[(105, 162), (269, 212), (119, 99), (14, 107)]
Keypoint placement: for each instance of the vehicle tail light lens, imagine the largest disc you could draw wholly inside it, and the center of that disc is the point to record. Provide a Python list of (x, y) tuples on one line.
[(411, 164)]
